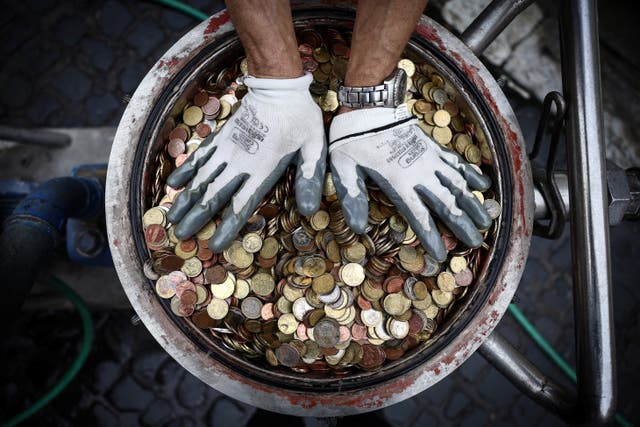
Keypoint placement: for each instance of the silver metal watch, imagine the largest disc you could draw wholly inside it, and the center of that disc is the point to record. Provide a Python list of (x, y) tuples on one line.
[(388, 94)]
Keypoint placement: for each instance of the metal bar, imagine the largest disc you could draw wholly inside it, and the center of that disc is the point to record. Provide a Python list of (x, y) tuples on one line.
[(541, 210), (44, 138), (589, 213), (490, 23), (526, 377)]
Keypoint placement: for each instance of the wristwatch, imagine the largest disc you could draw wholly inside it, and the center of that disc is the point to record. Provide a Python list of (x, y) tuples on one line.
[(388, 94)]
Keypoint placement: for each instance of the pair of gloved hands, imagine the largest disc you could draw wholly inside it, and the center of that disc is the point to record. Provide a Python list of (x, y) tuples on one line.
[(279, 124)]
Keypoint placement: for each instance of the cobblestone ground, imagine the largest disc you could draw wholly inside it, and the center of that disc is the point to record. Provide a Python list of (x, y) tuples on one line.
[(71, 63)]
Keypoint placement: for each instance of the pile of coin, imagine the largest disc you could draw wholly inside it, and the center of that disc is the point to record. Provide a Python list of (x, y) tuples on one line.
[(306, 292)]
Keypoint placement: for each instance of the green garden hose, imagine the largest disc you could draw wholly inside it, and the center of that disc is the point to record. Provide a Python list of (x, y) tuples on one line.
[(87, 339)]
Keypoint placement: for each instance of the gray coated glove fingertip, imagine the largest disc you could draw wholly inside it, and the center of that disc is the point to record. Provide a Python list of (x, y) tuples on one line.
[(308, 193), (356, 214)]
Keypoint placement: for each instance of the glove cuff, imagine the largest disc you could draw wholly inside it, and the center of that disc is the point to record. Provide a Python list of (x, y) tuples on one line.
[(297, 83), (365, 121)]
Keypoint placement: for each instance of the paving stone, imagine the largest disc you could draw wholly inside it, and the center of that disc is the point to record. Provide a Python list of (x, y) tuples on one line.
[(473, 367), (72, 83), (128, 395), (114, 18), (104, 375), (439, 393), (184, 421), (145, 37), (70, 29), (425, 418), (103, 417), (228, 412), (157, 413), (191, 392), (146, 366), (401, 413), (457, 404), (474, 419), (131, 76), (496, 389), (99, 53), (15, 91), (100, 107)]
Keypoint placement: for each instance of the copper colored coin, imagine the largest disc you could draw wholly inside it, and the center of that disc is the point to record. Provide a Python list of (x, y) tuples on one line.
[(204, 253), (201, 98), (372, 356), (464, 278), (175, 147), (288, 355), (188, 297), (449, 242), (212, 107), (393, 353), (202, 320), (203, 130), (185, 285), (188, 245), (217, 274), (269, 211), (266, 312), (179, 133), (393, 284), (172, 263), (180, 159), (363, 303), (416, 324), (186, 309), (358, 332), (155, 235)]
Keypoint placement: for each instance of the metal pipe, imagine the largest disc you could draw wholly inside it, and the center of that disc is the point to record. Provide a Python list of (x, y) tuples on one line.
[(541, 210), (33, 231), (589, 214), (490, 23), (526, 377), (41, 137)]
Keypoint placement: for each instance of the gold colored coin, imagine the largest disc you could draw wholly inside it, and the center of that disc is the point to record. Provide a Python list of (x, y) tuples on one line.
[(252, 242), (154, 216), (225, 109), (446, 281), (262, 284), (206, 232), (398, 223), (352, 274), (333, 251), (431, 311), (442, 298), (238, 256), (192, 267), (461, 142), (328, 188), (407, 254), (442, 135), (479, 196), (396, 304), (472, 154), (164, 287), (408, 66), (420, 290), (457, 264), (323, 284), (270, 248), (355, 252), (242, 289), (329, 102), (225, 289), (217, 309), (441, 118), (192, 115), (287, 323), (320, 220), (321, 55), (422, 106)]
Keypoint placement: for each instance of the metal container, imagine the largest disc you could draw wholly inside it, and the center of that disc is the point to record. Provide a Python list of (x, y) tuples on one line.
[(163, 93)]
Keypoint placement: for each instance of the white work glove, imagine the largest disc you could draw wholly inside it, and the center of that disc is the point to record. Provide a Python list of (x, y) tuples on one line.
[(277, 124), (415, 172)]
